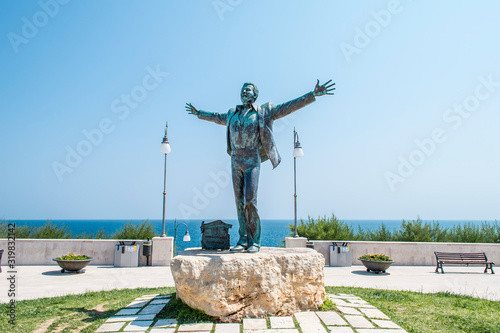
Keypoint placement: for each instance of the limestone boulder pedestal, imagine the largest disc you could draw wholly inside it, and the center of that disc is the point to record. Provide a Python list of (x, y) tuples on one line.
[(232, 286)]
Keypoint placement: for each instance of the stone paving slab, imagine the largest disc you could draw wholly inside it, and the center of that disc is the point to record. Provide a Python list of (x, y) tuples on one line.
[(385, 324), (345, 296), (163, 296), (282, 322), (344, 329), (196, 327), (374, 313), (358, 321), (285, 330), (254, 324), (145, 298), (137, 304), (380, 330), (227, 328), (152, 309), (166, 323), (162, 330), (358, 301), (331, 318), (309, 322), (131, 318), (159, 301), (110, 327), (127, 312), (138, 325), (341, 302), (348, 310)]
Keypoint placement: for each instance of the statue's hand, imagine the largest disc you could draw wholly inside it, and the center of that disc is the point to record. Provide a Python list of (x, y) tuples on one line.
[(191, 109), (324, 89)]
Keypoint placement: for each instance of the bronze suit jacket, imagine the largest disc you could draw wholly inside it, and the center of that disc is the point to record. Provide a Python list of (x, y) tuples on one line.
[(267, 113)]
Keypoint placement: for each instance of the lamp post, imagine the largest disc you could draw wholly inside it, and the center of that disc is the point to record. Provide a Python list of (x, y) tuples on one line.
[(297, 152), (165, 149), (186, 237)]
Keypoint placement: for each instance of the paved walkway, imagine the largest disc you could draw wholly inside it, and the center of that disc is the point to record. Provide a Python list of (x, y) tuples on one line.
[(354, 315), (48, 281)]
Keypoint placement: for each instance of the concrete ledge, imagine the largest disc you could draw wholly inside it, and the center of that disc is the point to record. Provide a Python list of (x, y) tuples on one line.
[(294, 242), (42, 251), (409, 253)]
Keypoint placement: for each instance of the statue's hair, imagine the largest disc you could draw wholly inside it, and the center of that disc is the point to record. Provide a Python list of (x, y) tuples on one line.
[(255, 89)]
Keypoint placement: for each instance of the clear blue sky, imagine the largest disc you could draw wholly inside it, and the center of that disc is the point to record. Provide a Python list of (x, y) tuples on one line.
[(413, 128)]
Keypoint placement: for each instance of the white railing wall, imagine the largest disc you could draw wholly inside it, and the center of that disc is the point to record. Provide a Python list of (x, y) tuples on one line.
[(42, 251), (403, 253)]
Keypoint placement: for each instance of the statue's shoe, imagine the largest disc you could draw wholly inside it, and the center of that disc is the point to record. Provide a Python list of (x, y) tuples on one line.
[(253, 249), (238, 248)]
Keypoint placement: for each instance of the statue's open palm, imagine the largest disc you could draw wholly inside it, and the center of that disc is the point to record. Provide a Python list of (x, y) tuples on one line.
[(191, 109), (324, 89)]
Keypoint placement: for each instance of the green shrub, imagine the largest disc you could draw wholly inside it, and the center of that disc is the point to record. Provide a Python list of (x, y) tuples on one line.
[(324, 228), (129, 230), (418, 231), (381, 234), (409, 231), (71, 256), (47, 231), (469, 233), (101, 234), (375, 257)]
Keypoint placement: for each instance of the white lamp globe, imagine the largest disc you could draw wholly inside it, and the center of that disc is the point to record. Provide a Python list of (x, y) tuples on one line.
[(298, 152), (165, 148)]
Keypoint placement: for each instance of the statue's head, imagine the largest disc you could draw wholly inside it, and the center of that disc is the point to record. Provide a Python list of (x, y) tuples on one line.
[(249, 93)]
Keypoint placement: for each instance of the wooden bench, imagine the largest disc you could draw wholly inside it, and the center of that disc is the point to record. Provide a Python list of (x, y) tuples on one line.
[(451, 258)]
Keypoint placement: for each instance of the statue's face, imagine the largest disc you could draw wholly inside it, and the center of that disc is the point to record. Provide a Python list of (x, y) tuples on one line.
[(247, 94)]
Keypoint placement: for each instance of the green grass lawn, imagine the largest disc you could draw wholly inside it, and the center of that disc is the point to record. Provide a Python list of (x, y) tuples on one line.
[(415, 312), (441, 312), (72, 313)]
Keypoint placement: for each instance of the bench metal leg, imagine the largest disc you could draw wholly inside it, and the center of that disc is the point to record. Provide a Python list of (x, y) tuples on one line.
[(439, 266), (490, 267)]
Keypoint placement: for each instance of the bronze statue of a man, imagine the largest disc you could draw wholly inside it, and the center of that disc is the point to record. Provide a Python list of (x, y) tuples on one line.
[(249, 143)]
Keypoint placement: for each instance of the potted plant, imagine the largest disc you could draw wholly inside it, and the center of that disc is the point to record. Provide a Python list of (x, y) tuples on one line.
[(72, 262), (376, 262)]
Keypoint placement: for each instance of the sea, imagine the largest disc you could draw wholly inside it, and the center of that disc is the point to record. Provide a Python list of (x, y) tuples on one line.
[(273, 231)]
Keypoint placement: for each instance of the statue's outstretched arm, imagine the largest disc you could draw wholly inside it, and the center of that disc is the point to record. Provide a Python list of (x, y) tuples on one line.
[(218, 118), (298, 103)]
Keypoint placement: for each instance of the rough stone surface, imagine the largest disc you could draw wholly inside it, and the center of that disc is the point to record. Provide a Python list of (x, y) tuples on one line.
[(230, 286)]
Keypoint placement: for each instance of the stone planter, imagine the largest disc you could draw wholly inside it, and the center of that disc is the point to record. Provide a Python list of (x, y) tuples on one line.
[(73, 265), (376, 266)]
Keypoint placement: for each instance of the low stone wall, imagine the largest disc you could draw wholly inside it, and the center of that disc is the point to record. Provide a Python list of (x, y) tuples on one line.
[(42, 251), (407, 253)]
